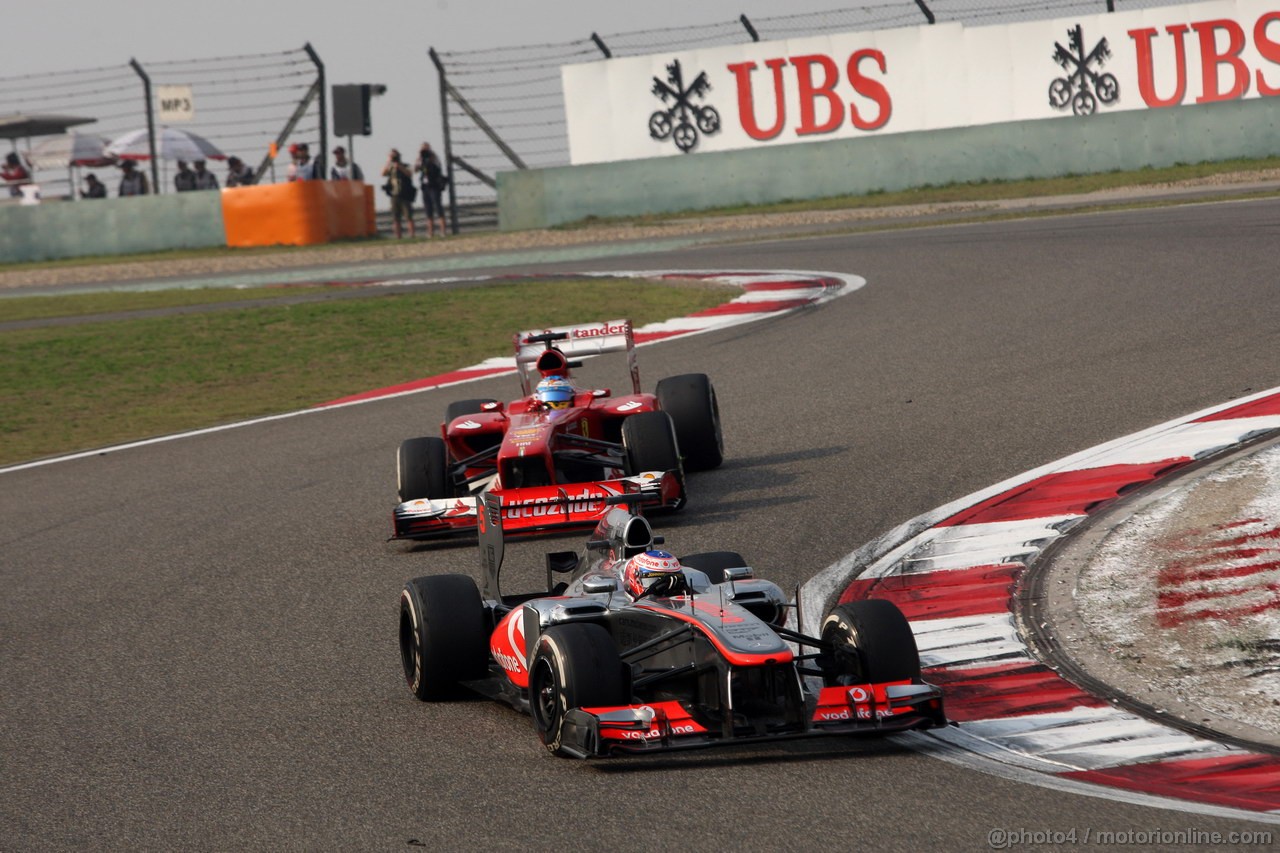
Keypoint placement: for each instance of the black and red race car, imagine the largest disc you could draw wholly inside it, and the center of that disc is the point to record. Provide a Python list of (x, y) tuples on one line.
[(554, 460), (636, 651)]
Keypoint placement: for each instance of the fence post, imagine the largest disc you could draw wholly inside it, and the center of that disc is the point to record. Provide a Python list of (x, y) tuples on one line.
[(151, 124), (603, 47), (448, 142), (751, 31), (324, 114), (927, 13)]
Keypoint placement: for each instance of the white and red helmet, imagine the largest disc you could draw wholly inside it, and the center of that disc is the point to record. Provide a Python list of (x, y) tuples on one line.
[(653, 573)]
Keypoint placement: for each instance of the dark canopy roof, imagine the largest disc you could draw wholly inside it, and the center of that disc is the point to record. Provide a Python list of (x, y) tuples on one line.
[(19, 125)]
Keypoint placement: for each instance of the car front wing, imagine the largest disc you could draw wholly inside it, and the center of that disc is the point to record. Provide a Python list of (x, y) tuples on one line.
[(863, 709), (535, 509)]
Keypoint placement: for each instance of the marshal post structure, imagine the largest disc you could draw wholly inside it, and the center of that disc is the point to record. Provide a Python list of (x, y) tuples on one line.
[(892, 109)]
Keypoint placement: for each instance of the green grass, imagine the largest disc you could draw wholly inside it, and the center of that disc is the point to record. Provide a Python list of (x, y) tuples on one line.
[(67, 388), (978, 191), (15, 308)]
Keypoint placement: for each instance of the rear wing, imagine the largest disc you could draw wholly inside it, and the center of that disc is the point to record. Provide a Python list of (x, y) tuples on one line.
[(494, 522), (575, 342)]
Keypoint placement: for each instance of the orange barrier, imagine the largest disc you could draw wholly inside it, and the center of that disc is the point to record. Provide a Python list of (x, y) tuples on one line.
[(299, 213)]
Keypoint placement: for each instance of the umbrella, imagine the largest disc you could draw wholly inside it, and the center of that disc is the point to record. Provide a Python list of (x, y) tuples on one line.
[(70, 149), (19, 125), (171, 144)]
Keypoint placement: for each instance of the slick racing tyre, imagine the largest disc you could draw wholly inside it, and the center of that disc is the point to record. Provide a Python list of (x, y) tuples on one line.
[(690, 400), (442, 635), (713, 563), (422, 469), (649, 440), (458, 408), (870, 642), (574, 666)]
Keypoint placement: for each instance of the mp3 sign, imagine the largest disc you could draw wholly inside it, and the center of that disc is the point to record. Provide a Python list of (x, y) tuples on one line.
[(174, 104), (920, 78)]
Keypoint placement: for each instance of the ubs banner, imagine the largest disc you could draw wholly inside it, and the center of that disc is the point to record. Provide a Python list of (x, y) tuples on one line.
[(920, 78)]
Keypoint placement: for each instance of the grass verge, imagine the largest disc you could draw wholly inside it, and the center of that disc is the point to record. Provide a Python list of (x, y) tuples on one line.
[(68, 388)]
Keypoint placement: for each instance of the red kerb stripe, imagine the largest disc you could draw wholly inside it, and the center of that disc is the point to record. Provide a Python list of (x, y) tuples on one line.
[(1258, 408), (1064, 493), (1246, 781), (752, 307), (943, 594), (1010, 690)]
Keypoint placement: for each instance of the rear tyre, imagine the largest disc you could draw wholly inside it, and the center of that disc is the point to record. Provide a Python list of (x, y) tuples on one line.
[(574, 666), (690, 400), (458, 408), (713, 563), (442, 635), (870, 642), (649, 440), (422, 469)]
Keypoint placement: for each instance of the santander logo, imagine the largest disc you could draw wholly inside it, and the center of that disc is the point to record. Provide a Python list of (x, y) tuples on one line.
[(600, 331)]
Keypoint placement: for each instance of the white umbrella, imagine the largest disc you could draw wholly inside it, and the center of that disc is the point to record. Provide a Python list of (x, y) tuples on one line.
[(171, 144), (70, 149)]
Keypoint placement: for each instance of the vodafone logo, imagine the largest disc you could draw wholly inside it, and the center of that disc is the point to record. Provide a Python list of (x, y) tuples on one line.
[(858, 694)]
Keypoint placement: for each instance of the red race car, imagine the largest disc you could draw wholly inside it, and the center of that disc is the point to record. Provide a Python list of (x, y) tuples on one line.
[(558, 451)]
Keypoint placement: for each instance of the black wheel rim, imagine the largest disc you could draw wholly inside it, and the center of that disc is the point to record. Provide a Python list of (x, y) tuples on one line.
[(543, 696)]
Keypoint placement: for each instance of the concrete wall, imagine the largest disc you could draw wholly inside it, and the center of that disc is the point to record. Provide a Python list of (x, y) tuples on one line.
[(112, 226), (1031, 149)]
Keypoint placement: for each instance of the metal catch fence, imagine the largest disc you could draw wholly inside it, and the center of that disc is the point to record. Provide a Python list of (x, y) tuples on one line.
[(241, 104), (503, 107)]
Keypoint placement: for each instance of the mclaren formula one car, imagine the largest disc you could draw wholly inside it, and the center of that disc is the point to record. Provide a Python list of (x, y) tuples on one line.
[(556, 452), (637, 651)]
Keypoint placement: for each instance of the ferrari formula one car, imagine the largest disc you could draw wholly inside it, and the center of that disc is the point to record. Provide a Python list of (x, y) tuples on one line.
[(638, 652), (555, 453)]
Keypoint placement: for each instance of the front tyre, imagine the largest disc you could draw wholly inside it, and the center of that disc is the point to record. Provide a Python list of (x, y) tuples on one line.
[(713, 563), (442, 635), (690, 400), (574, 666), (422, 469), (649, 443), (868, 642)]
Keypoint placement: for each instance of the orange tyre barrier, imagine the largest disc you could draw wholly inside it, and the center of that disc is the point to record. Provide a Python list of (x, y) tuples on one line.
[(297, 214)]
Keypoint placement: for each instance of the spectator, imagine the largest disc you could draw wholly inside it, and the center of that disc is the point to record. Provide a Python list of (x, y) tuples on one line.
[(15, 173), (185, 180), (399, 186), (343, 170), (95, 188), (433, 179), (238, 174), (303, 168), (132, 182), (205, 180)]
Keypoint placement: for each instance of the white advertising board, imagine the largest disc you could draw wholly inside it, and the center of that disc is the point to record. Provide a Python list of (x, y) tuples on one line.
[(920, 78)]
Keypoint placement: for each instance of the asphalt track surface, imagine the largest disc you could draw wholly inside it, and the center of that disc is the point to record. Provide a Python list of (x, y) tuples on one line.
[(198, 636)]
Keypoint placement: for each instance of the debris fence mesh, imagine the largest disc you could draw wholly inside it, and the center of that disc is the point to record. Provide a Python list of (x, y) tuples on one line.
[(517, 90), (241, 105)]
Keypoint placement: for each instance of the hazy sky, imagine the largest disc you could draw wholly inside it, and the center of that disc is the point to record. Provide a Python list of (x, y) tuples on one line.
[(374, 41)]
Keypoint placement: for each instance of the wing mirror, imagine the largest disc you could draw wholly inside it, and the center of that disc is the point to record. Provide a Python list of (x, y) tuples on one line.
[(599, 583)]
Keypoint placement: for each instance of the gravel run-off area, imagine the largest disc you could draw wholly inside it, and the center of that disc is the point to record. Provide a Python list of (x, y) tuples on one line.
[(1183, 597)]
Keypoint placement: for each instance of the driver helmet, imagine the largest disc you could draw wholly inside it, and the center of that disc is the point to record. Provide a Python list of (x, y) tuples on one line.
[(555, 392), (653, 573)]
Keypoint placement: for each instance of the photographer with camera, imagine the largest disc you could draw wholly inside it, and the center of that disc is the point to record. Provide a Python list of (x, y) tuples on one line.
[(399, 186)]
